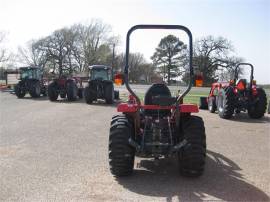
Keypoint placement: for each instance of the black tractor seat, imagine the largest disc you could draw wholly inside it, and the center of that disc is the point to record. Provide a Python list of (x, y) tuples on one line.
[(163, 100), (158, 94)]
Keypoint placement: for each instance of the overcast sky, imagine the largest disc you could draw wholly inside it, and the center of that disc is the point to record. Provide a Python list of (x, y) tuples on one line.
[(246, 23)]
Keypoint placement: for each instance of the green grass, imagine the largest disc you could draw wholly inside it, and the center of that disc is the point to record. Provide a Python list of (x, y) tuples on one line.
[(192, 97)]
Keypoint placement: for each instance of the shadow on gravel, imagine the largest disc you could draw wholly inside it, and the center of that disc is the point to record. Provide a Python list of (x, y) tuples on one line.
[(221, 180), (243, 117)]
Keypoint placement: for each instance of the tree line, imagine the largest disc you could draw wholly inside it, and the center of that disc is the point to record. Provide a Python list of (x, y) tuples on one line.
[(71, 50)]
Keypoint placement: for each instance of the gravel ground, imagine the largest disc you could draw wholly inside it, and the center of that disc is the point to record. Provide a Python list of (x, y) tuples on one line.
[(57, 151)]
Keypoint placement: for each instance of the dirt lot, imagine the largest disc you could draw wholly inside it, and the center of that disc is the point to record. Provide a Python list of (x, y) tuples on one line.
[(58, 152)]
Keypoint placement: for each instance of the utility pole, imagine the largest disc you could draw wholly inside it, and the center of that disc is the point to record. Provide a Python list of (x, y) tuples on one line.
[(113, 60)]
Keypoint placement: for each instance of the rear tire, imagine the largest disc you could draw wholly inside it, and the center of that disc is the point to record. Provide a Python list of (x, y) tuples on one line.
[(225, 102), (52, 92), (109, 94), (192, 157), (212, 107), (72, 91), (35, 89), (121, 154), (19, 91), (257, 110), (89, 95)]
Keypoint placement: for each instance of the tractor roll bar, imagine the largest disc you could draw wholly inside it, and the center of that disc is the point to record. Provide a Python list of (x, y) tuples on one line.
[(251, 73), (179, 27)]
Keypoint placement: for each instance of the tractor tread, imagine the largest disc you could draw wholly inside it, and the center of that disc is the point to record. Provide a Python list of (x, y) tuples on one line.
[(226, 111), (192, 158), (257, 110), (121, 154)]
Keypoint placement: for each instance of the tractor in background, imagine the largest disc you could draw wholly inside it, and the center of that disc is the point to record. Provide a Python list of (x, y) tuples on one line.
[(238, 95), (100, 85), (160, 127), (31, 81), (65, 87)]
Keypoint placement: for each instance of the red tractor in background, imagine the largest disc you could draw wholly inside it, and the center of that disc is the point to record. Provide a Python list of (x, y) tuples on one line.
[(70, 87), (236, 96), (161, 127)]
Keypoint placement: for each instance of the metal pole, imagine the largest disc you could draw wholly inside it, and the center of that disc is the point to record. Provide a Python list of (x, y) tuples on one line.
[(113, 60)]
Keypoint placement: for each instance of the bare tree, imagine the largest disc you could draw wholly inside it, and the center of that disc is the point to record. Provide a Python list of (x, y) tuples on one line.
[(95, 42), (212, 54), (57, 48), (71, 49), (32, 55), (228, 73), (3, 50), (148, 72), (139, 69)]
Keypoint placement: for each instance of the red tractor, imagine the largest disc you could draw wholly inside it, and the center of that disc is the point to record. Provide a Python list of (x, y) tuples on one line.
[(70, 87), (162, 126), (236, 96)]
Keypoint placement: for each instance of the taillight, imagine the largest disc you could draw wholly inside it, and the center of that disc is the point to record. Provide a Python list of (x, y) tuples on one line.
[(254, 91), (241, 85)]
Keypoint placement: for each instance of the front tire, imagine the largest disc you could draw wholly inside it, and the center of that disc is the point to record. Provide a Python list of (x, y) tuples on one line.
[(52, 92), (192, 157), (19, 91), (121, 154), (35, 89), (212, 107), (89, 95), (225, 102), (258, 109), (72, 91), (109, 94)]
